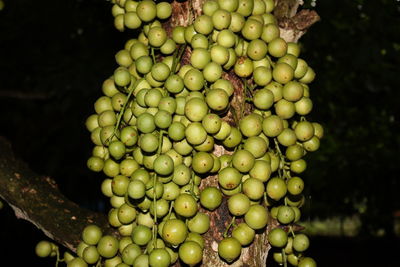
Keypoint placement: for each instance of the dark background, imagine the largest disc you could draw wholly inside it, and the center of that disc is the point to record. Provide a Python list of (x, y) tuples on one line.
[(54, 56)]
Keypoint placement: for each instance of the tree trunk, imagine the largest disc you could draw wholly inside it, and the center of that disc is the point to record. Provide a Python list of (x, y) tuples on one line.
[(37, 199), (293, 25)]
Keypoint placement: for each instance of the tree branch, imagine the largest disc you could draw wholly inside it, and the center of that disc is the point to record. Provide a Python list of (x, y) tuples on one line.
[(293, 23), (37, 199)]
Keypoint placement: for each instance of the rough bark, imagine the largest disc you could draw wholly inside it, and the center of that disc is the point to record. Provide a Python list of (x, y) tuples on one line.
[(293, 25), (37, 199)]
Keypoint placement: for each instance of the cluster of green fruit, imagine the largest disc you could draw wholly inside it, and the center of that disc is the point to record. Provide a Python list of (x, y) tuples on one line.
[(159, 121)]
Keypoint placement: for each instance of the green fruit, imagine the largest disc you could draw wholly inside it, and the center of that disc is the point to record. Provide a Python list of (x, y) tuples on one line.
[(256, 145), (202, 162), (43, 249), (277, 237), (253, 188), (91, 234), (294, 152), (195, 133), (141, 235), (221, 19), (174, 232), (200, 223), (243, 160), (229, 178), (282, 73), (130, 253), (257, 49), (203, 24), (199, 58), (226, 38), (233, 139), (196, 109), (219, 54), (304, 130), (285, 109), (90, 255), (272, 126), (238, 204), (301, 242), (252, 29), (307, 262), (298, 166), (243, 67), (262, 76), (276, 188), (287, 137), (119, 185), (210, 198), (164, 10), (146, 10), (285, 215), (270, 32), (251, 125), (229, 249), (190, 253), (185, 205), (160, 72), (159, 257), (312, 144), (256, 217), (318, 130), (229, 5), (295, 185), (277, 47), (77, 262), (126, 214), (163, 165), (107, 246), (217, 99), (95, 164), (293, 91), (244, 234), (136, 189), (261, 170), (245, 7)]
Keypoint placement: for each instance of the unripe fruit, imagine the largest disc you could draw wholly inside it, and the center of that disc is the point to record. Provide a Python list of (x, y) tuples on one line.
[(43, 249), (229, 249)]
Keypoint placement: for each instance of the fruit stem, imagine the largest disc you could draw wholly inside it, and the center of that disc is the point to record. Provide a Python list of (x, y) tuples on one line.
[(170, 210), (245, 95), (291, 231), (229, 226), (58, 256), (160, 141), (265, 199), (177, 57), (192, 185), (154, 233), (284, 257), (282, 161), (153, 56), (131, 88)]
